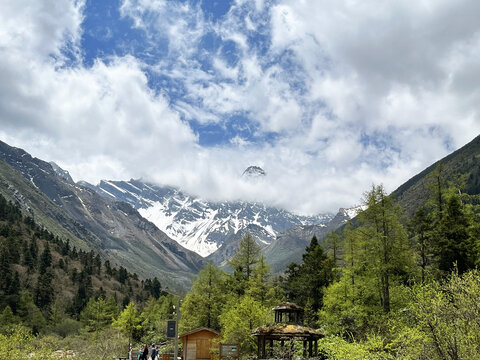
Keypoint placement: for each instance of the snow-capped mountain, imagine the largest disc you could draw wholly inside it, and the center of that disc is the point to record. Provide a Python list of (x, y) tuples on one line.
[(199, 225), (254, 172)]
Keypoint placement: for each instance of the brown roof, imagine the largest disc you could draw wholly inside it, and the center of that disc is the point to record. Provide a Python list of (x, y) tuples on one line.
[(287, 306), (289, 330), (198, 330)]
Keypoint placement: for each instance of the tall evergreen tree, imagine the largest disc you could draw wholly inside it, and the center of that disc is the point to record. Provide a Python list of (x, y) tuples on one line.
[(305, 283), (456, 248), (45, 260), (384, 241), (421, 225), (243, 262), (44, 293), (204, 303)]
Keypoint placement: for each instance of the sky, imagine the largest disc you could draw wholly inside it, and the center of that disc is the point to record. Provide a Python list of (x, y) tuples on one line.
[(328, 97)]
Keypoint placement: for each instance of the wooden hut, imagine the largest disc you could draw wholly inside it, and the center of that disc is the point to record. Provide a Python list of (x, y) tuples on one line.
[(198, 344)]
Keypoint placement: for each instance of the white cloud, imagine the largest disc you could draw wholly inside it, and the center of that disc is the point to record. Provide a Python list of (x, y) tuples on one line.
[(354, 92)]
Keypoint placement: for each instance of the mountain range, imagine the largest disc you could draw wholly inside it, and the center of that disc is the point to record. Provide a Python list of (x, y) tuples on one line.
[(199, 225), (161, 231), (214, 229), (114, 229), (148, 229)]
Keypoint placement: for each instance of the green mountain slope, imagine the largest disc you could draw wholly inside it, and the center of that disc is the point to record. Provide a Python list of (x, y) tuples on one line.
[(41, 272), (19, 190), (466, 160), (115, 229)]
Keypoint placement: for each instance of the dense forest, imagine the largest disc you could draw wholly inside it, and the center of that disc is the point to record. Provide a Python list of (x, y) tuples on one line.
[(55, 297), (384, 287)]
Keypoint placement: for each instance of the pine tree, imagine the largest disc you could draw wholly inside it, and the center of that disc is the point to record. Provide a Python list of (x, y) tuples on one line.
[(259, 284), (305, 283), (422, 231), (128, 322), (243, 262), (204, 303), (384, 240), (156, 289), (44, 293), (455, 246), (332, 245), (45, 259), (99, 313)]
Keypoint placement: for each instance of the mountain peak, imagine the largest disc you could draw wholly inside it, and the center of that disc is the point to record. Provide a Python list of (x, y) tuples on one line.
[(254, 172), (61, 172)]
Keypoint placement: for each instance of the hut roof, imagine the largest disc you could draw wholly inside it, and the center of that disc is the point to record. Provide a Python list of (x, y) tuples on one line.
[(198, 330)]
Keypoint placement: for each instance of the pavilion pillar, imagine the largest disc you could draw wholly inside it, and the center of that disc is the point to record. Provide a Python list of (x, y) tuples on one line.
[(263, 348), (304, 348), (259, 346), (316, 347), (310, 348), (271, 348)]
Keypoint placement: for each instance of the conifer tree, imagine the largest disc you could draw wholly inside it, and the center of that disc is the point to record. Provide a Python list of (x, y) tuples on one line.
[(455, 246), (243, 262), (305, 283), (128, 322), (204, 303), (422, 228), (45, 260), (44, 293), (384, 239), (99, 313)]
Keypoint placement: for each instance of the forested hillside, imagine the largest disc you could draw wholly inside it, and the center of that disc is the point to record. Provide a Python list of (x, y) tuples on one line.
[(52, 289), (465, 161), (114, 229), (388, 287)]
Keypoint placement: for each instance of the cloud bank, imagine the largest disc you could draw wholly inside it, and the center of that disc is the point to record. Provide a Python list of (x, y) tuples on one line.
[(328, 97)]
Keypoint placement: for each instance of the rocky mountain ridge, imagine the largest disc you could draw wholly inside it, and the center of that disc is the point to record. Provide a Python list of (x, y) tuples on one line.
[(199, 225), (115, 229)]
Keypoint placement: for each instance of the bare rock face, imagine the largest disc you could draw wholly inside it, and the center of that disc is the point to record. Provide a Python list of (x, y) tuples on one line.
[(253, 172)]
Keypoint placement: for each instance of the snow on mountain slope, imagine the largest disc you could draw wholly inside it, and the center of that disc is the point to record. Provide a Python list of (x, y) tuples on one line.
[(199, 225)]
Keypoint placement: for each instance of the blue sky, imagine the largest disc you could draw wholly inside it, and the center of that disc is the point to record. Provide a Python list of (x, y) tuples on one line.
[(328, 97)]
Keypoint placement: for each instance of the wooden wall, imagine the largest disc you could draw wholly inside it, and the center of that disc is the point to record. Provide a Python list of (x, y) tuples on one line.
[(197, 346)]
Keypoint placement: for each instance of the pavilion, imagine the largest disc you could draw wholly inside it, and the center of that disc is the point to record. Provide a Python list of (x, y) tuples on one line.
[(288, 327)]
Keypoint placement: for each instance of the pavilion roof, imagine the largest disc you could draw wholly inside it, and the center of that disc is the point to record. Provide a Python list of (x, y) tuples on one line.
[(287, 306), (281, 330)]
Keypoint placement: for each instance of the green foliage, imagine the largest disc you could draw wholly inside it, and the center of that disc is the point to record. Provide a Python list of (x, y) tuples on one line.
[(379, 264), (44, 292), (260, 286), (455, 245), (7, 319), (333, 246), (234, 305), (99, 313), (305, 283), (29, 313), (128, 322), (18, 343), (66, 327), (240, 318), (154, 318), (204, 303), (448, 316), (244, 261), (45, 259), (335, 347)]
